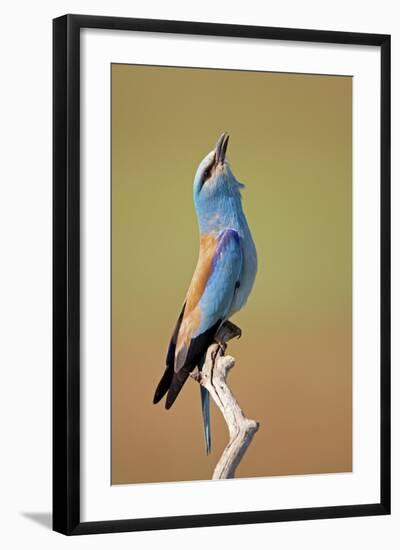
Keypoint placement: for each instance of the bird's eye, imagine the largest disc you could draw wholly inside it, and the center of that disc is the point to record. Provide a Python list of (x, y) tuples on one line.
[(206, 173)]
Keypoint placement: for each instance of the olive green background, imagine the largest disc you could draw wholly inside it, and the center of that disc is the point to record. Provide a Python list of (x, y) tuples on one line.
[(290, 143)]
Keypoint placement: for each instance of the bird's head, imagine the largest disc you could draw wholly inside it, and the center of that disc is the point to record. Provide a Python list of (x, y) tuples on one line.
[(216, 190)]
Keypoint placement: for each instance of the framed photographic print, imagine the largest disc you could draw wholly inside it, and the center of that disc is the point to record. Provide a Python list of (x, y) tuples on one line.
[(221, 206)]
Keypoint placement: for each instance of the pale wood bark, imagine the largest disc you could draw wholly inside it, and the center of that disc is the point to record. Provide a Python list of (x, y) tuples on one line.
[(213, 376)]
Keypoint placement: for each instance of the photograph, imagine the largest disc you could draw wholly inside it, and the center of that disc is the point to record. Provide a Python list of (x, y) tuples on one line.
[(231, 246), (199, 278)]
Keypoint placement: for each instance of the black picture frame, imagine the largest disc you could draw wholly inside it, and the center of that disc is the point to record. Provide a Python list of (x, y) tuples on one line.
[(66, 273)]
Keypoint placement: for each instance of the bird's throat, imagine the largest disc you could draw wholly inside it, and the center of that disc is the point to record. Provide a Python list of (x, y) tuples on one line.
[(222, 214)]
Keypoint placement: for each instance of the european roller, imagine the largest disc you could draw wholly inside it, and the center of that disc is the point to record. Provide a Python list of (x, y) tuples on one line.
[(223, 278)]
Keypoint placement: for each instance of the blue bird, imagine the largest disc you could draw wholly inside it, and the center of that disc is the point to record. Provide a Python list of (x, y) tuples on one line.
[(223, 278)]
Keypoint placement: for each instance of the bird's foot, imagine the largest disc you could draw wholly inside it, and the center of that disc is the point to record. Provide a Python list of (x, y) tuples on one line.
[(221, 347), (227, 331), (196, 374), (234, 330)]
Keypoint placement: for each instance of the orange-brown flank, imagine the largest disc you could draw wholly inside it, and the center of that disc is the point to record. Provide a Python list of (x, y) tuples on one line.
[(192, 316)]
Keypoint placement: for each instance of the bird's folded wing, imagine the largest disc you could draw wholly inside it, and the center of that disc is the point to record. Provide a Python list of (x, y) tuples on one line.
[(209, 297)]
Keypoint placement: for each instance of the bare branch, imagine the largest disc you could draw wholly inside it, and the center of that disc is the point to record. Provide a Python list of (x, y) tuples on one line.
[(213, 376)]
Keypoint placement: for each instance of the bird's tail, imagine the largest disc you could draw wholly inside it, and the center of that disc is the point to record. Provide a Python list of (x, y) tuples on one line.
[(205, 409)]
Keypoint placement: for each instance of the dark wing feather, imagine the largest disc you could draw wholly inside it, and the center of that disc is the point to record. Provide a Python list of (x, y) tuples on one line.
[(165, 382), (197, 348)]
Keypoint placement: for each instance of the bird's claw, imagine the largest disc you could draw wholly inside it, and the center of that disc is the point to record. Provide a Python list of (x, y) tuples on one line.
[(221, 347), (196, 374), (234, 330)]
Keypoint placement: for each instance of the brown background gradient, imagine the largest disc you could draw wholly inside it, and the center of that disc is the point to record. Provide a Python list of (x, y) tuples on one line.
[(291, 145)]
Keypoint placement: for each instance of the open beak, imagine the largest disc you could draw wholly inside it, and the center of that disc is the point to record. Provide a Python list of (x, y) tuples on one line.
[(220, 148)]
